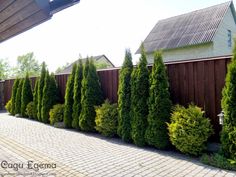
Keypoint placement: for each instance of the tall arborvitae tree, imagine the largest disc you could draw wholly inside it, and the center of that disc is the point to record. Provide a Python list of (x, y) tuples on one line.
[(91, 96), (35, 99), (77, 95), (124, 98), (13, 95), (228, 134), (139, 96), (40, 90), (18, 97), (68, 110), (159, 105), (49, 96), (26, 95)]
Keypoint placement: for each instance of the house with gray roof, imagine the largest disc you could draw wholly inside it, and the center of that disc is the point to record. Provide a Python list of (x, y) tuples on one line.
[(203, 33), (100, 61)]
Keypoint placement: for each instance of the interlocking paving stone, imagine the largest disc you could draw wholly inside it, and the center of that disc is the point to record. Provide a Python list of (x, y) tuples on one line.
[(87, 154)]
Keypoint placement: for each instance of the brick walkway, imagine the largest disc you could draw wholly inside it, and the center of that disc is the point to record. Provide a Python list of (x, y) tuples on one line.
[(77, 154)]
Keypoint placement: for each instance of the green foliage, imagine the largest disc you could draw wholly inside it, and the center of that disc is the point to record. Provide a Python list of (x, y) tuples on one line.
[(30, 109), (56, 114), (139, 96), (4, 69), (26, 95), (77, 95), (219, 161), (91, 96), (40, 90), (35, 99), (124, 98), (228, 104), (102, 65), (189, 129), (49, 96), (18, 97), (106, 119), (69, 99), (27, 64), (159, 105), (9, 106), (13, 95)]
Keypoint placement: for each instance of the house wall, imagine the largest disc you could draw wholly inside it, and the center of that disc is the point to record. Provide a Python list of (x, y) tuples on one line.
[(221, 36), (190, 52)]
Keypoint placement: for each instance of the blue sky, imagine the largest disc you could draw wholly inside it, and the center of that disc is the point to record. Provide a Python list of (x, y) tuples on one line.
[(95, 27)]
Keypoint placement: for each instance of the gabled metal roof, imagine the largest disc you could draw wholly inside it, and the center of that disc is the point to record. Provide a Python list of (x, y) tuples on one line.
[(192, 28), (68, 69), (17, 16)]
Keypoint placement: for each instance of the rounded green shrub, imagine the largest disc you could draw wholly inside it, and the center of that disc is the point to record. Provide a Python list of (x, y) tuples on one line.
[(30, 109), (56, 113), (9, 106), (189, 129), (106, 119)]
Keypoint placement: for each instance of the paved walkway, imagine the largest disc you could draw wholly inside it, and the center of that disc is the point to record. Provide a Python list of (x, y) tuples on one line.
[(47, 151)]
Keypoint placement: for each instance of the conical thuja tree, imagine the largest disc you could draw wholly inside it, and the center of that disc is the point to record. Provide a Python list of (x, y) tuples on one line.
[(228, 134), (18, 97), (159, 104), (35, 99), (40, 89), (139, 96), (49, 96), (13, 95), (26, 95), (124, 98), (77, 95), (91, 96), (68, 110)]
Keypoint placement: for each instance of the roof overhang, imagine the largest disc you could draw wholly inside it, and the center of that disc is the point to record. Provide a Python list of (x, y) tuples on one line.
[(17, 16)]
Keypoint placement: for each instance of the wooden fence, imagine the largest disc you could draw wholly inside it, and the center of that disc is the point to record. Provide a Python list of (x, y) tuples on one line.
[(197, 81)]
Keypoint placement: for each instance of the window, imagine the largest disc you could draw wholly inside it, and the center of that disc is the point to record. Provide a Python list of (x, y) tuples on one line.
[(229, 38)]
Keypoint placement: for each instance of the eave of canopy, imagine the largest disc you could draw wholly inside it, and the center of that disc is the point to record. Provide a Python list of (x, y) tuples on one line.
[(17, 16)]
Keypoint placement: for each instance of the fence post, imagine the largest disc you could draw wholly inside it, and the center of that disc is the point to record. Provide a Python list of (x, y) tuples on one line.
[(2, 95)]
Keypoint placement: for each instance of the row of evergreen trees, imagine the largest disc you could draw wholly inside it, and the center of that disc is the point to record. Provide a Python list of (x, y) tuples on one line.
[(83, 92), (44, 96), (21, 96), (144, 103)]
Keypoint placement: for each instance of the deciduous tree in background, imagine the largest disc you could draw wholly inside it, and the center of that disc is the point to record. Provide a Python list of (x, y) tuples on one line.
[(27, 64), (77, 95), (68, 110), (4, 69), (139, 96), (124, 98), (159, 105)]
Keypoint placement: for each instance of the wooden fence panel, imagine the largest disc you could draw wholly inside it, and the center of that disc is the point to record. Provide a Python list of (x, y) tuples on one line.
[(199, 82)]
